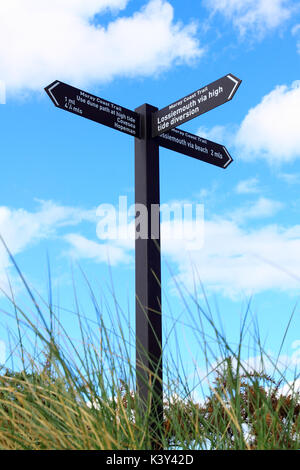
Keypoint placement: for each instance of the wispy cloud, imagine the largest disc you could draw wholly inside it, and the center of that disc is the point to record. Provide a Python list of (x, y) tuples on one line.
[(248, 186), (219, 134), (2, 92), (261, 208), (228, 256), (290, 178), (21, 229), (255, 16), (239, 261), (108, 253), (58, 40), (296, 32)]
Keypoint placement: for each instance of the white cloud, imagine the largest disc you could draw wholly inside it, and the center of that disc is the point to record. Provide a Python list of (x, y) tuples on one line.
[(219, 134), (237, 260), (225, 254), (281, 368), (247, 186), (290, 388), (296, 32), (292, 362), (271, 129), (296, 29), (109, 252), (231, 259), (267, 362), (20, 228), (261, 208), (57, 40), (119, 247), (2, 92), (290, 178), (257, 16)]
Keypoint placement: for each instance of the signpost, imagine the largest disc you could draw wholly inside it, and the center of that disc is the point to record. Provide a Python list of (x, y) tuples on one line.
[(92, 107), (152, 128), (195, 146), (198, 102)]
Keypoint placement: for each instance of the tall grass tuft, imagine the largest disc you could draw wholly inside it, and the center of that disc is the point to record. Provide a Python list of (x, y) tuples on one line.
[(68, 394)]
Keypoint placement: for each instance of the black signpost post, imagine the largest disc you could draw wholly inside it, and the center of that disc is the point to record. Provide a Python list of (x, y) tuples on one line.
[(152, 128), (148, 274)]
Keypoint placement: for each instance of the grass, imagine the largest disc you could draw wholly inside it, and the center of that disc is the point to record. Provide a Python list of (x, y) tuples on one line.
[(64, 394)]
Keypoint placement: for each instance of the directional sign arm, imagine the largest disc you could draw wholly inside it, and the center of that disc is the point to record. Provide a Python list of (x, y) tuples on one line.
[(93, 107), (195, 104), (196, 147)]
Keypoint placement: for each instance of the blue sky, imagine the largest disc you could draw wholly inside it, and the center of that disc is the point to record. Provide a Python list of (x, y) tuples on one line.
[(57, 168)]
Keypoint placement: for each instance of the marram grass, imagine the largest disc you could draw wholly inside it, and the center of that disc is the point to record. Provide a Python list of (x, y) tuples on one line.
[(64, 396)]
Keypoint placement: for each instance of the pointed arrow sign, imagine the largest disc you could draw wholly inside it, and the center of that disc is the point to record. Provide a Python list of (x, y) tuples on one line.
[(191, 106), (92, 107), (196, 147)]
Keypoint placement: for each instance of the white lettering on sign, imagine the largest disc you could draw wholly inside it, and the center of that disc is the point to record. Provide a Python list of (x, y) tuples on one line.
[(202, 90), (201, 149), (175, 113), (70, 105), (95, 108), (123, 121), (199, 145), (198, 102), (174, 139), (215, 93), (124, 128), (193, 142), (184, 109)]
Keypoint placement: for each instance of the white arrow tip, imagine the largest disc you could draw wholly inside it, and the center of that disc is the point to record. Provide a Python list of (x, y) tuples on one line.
[(51, 94), (229, 157), (236, 84)]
